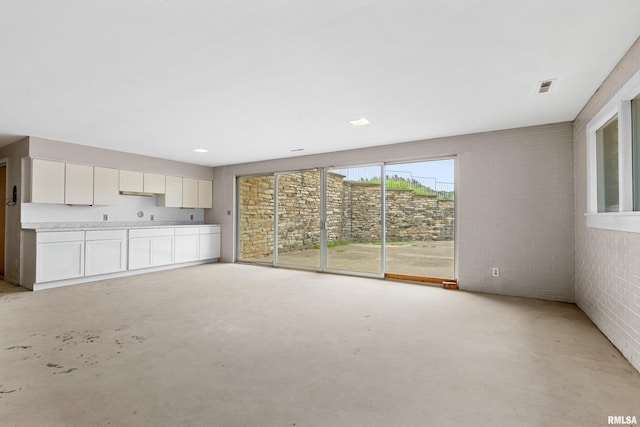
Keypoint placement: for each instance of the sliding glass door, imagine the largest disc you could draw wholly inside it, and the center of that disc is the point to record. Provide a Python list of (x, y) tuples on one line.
[(420, 218), (351, 220), (256, 202), (354, 220), (298, 208)]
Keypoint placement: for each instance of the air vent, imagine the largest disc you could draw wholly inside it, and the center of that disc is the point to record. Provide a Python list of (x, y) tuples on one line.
[(545, 86)]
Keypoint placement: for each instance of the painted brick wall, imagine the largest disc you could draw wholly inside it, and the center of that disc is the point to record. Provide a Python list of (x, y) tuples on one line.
[(607, 262)]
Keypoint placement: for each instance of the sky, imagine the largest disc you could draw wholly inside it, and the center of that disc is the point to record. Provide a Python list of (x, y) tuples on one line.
[(441, 170)]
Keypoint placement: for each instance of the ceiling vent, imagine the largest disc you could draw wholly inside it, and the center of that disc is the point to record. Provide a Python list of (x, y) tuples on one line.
[(545, 86)]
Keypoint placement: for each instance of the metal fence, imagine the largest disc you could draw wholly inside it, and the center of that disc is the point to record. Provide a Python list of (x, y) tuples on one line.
[(399, 179), (420, 184)]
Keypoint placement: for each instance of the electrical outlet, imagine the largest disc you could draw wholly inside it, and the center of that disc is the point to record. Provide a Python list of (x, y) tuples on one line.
[(228, 212), (152, 217), (495, 271), (191, 217), (105, 217)]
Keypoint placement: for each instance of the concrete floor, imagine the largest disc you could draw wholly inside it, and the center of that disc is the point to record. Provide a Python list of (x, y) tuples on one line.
[(242, 345)]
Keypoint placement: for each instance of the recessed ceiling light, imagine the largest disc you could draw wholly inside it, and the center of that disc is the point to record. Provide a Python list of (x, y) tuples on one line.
[(200, 150), (360, 122)]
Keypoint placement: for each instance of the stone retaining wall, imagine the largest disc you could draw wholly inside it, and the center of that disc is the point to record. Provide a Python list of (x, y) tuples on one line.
[(352, 213)]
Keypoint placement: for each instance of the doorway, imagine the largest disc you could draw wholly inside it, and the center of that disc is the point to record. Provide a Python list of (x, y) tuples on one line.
[(420, 220), (256, 229), (298, 212), (350, 220), (354, 220), (3, 215)]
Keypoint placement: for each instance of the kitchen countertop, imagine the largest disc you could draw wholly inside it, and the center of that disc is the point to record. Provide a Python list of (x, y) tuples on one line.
[(105, 225)]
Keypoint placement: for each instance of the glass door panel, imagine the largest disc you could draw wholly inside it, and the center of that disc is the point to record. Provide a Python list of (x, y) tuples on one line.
[(298, 212), (353, 219), (419, 220), (256, 218)]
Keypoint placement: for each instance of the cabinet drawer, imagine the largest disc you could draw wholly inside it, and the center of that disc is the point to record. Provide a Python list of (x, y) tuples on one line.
[(185, 231), (59, 236), (106, 234), (209, 229), (150, 232)]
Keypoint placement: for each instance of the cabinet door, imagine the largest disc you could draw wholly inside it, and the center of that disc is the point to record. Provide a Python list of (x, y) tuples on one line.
[(139, 253), (105, 256), (105, 186), (209, 246), (189, 193), (186, 248), (161, 250), (131, 181), (47, 181), (59, 261), (154, 183), (205, 194), (78, 184), (173, 193)]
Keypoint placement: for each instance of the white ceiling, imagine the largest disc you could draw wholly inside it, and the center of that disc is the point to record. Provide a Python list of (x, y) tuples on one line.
[(252, 80)]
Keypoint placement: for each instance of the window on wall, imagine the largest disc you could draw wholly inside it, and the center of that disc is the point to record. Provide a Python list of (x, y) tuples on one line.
[(613, 162), (607, 158)]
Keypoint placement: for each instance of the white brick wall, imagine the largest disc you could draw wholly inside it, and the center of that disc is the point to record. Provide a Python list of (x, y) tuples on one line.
[(607, 262)]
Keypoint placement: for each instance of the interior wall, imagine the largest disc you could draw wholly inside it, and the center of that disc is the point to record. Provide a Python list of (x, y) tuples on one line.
[(607, 262), (125, 211), (514, 195), (14, 154)]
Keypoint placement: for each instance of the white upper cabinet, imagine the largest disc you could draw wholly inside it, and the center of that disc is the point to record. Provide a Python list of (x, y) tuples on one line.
[(105, 186), (131, 181), (172, 198), (154, 183), (78, 184), (47, 181), (205, 194), (189, 193)]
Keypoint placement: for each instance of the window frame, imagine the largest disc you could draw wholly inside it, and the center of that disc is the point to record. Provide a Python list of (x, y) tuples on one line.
[(626, 219)]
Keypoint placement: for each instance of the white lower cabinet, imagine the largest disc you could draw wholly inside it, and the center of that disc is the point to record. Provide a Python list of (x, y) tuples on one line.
[(161, 250), (139, 253), (59, 255), (187, 244), (150, 247), (69, 256), (209, 242), (106, 252)]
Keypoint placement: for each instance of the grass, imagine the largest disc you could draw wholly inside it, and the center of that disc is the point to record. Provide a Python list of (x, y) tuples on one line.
[(334, 243)]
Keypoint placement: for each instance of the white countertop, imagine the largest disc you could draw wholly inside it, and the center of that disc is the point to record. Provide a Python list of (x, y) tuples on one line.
[(71, 226)]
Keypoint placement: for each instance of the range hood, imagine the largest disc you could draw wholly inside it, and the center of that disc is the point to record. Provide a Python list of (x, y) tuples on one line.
[(136, 193)]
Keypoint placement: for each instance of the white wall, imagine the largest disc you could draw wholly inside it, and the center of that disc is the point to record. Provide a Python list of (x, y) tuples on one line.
[(514, 204), (125, 211), (607, 262)]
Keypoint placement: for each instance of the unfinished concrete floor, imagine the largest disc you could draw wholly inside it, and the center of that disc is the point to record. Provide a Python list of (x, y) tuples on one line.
[(240, 345)]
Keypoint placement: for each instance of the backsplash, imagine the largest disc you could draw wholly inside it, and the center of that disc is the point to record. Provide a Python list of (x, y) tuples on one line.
[(127, 209)]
